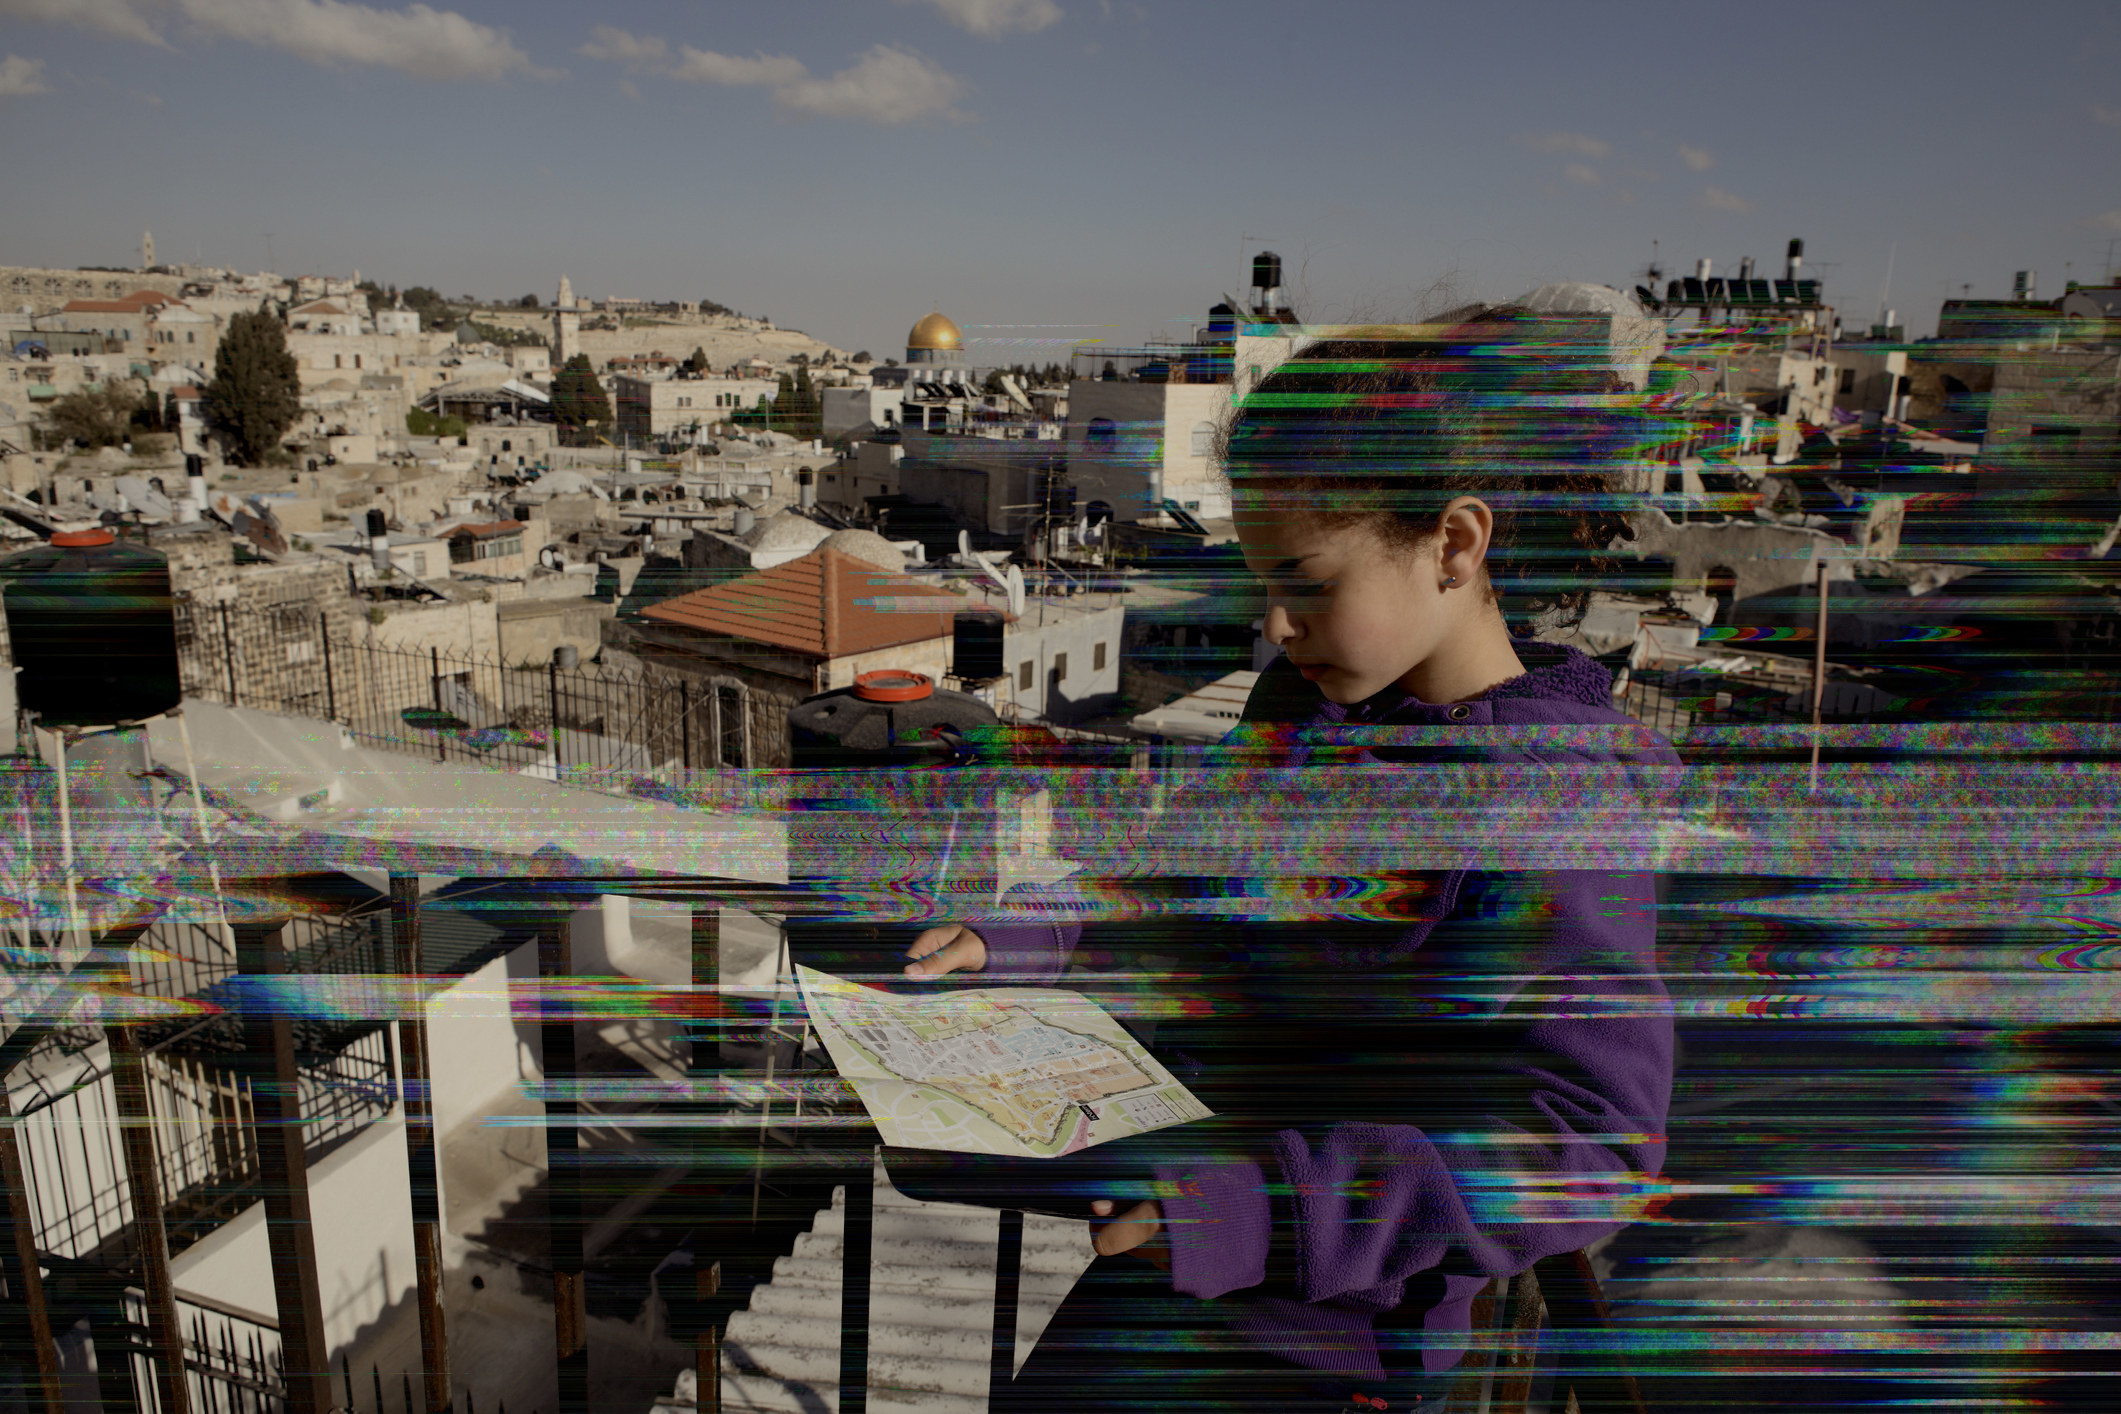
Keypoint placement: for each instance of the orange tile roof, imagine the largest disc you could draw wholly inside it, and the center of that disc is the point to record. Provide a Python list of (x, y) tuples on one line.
[(821, 605)]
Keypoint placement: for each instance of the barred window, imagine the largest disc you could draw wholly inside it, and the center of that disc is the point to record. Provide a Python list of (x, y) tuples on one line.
[(730, 700)]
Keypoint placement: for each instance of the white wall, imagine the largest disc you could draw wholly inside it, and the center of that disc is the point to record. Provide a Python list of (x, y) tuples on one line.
[(478, 1051), (359, 1199)]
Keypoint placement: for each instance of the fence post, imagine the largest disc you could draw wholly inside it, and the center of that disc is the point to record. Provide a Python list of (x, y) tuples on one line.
[(269, 1046), (331, 687), (552, 685), (434, 662), (228, 654), (143, 1178), (564, 1165), (407, 963), (25, 1284)]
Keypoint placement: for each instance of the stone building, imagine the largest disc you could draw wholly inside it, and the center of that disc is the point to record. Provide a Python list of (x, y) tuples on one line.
[(760, 644)]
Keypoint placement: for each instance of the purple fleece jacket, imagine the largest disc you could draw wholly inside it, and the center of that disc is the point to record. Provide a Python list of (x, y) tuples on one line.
[(1406, 1111)]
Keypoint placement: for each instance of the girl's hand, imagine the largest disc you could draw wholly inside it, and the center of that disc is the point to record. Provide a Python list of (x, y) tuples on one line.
[(950, 948), (1138, 1230)]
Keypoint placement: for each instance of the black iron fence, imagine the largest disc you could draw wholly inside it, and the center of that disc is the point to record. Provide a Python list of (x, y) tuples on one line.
[(232, 1358), (613, 720)]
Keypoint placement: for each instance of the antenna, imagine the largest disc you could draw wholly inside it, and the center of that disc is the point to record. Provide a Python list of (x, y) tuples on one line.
[(1885, 291)]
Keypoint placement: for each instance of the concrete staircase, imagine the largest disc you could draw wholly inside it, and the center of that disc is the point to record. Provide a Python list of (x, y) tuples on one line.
[(931, 1310)]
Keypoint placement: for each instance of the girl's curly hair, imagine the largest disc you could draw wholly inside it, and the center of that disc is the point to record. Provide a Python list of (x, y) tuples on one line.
[(1384, 425)]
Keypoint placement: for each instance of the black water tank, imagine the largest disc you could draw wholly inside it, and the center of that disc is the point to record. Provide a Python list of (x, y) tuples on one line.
[(886, 720), (977, 646), (378, 524), (93, 629), (1266, 271)]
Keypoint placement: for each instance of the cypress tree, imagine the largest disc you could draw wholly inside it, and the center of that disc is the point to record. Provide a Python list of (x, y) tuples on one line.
[(256, 389), (578, 400)]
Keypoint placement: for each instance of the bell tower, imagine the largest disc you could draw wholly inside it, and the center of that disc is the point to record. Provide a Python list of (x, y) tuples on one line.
[(566, 326)]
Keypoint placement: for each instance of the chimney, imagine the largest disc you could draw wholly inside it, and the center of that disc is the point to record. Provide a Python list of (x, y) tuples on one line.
[(806, 488), (1702, 269), (1795, 262), (1745, 268)]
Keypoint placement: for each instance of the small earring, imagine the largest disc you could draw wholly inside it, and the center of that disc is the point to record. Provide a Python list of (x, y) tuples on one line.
[(1451, 580)]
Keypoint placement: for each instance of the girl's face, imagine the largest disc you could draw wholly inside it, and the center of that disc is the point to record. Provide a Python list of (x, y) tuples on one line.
[(1357, 616)]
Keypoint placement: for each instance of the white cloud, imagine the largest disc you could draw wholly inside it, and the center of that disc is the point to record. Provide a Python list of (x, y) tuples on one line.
[(991, 19), (20, 77), (1717, 199), (418, 40), (2108, 222), (2111, 117), (1696, 158), (1574, 144), (1582, 172), (887, 85), (116, 19), (705, 66), (619, 47)]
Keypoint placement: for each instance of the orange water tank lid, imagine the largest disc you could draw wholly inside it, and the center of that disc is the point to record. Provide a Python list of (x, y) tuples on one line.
[(82, 539), (892, 685)]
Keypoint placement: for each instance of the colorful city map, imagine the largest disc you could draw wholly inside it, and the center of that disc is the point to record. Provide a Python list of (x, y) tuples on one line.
[(1031, 1071)]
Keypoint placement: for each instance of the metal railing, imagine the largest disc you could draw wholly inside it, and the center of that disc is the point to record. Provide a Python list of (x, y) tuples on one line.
[(207, 1153), (617, 720), (232, 1357)]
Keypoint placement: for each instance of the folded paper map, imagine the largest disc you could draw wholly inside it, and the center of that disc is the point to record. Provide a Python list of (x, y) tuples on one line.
[(1031, 1071)]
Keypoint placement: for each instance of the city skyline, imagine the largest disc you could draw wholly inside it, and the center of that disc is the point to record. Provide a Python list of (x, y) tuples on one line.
[(1053, 171)]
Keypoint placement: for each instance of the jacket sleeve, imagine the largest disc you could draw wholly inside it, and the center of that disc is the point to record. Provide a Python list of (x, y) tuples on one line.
[(1568, 1124), (1029, 953)]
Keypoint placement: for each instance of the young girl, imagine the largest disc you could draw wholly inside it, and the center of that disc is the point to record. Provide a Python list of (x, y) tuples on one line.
[(1447, 1072)]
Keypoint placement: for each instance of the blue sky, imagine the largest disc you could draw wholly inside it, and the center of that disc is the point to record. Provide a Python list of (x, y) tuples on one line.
[(1052, 170)]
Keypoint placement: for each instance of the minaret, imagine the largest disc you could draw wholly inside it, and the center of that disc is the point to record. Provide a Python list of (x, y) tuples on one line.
[(566, 325), (147, 250)]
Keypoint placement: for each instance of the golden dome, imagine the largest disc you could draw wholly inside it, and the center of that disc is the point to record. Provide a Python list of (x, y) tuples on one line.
[(935, 332)]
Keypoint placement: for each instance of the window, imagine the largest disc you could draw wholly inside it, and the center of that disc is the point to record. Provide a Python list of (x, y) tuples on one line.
[(1060, 667), (505, 445), (1192, 505), (338, 360), (1848, 380), (729, 723), (1204, 439), (356, 360), (1103, 435), (1023, 676), (1097, 659)]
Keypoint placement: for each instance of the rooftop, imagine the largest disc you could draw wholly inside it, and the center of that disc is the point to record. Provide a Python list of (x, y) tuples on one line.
[(825, 605)]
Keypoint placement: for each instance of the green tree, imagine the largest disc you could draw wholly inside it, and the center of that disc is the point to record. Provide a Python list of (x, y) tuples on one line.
[(698, 362), (527, 302), (863, 357), (422, 423), (256, 390), (95, 417), (578, 401)]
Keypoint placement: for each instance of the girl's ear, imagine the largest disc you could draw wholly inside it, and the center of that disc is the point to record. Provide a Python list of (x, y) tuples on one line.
[(1467, 527)]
